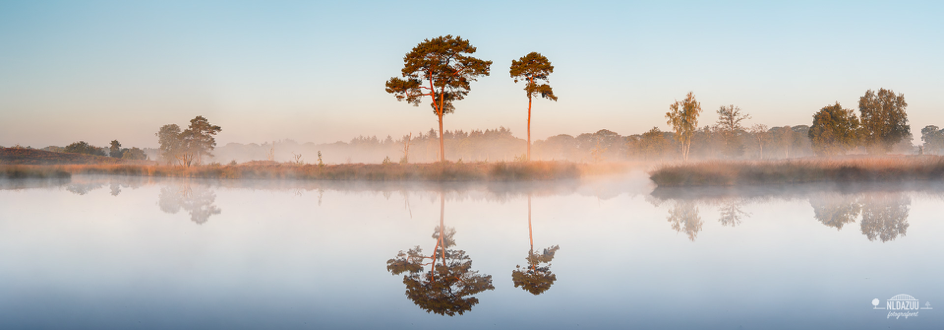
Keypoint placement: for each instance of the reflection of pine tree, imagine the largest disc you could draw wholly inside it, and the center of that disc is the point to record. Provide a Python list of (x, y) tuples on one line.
[(835, 210), (449, 285), (684, 217), (537, 276), (885, 216)]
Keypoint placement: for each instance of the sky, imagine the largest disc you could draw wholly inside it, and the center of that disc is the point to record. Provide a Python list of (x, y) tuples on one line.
[(314, 71)]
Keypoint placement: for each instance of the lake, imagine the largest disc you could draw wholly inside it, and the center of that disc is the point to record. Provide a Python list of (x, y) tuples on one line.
[(607, 252)]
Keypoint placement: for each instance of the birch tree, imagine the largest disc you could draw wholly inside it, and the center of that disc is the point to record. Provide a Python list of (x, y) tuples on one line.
[(683, 116)]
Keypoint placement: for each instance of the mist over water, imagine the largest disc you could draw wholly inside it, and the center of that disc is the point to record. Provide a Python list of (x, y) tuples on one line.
[(122, 252)]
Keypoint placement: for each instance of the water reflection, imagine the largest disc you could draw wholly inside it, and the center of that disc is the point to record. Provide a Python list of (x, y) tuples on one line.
[(684, 218), (449, 285), (885, 216), (198, 200), (732, 213), (884, 209), (83, 188), (536, 277), (111, 256), (835, 210)]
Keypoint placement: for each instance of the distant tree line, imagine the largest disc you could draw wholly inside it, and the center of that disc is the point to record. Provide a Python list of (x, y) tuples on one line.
[(114, 150), (443, 67), (933, 139), (881, 125)]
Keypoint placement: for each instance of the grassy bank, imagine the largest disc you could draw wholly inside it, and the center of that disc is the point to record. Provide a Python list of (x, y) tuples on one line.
[(20, 156), (479, 171), (35, 172), (729, 173)]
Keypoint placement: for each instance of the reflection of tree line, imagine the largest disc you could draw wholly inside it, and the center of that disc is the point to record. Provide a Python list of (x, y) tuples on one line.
[(196, 200), (448, 288), (884, 216)]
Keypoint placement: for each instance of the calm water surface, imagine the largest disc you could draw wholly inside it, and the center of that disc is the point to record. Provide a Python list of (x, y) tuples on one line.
[(125, 252)]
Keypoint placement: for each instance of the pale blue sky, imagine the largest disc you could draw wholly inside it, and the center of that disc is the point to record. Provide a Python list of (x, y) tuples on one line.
[(314, 71)]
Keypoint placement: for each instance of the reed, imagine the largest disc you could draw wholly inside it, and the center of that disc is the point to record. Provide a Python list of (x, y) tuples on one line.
[(729, 173), (476, 171), (37, 172)]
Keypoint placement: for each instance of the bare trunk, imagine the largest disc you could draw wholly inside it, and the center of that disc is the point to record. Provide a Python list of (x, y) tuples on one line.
[(439, 242), (530, 236), (406, 148), (432, 265), (442, 154), (529, 135), (442, 104), (442, 227)]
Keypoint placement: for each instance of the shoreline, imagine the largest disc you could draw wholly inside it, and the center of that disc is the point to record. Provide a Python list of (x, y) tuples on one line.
[(837, 170), (476, 171)]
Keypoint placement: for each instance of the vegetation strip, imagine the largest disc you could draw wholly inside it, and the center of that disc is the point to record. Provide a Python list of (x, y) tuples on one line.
[(518, 171), (729, 173)]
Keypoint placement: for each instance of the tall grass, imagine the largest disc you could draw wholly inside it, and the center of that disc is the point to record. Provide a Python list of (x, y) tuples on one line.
[(478, 171), (728, 173), (38, 172)]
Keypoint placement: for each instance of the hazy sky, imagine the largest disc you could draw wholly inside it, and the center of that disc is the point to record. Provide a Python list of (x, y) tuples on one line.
[(315, 71)]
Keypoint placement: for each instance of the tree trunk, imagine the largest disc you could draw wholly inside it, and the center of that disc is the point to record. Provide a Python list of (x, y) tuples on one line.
[(442, 153), (530, 236), (442, 105), (442, 227), (529, 139), (439, 242)]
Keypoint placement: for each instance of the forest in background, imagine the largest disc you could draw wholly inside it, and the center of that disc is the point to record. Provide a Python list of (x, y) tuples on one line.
[(500, 144)]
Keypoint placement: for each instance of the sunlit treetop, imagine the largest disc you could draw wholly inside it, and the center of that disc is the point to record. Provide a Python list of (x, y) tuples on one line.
[(441, 68), (530, 68)]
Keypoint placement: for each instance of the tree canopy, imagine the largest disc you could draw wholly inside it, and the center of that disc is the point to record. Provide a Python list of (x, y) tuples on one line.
[(168, 137), (933, 139), (191, 145), (83, 147), (884, 121), (114, 150), (200, 136), (442, 69), (730, 127), (683, 116), (834, 130)]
